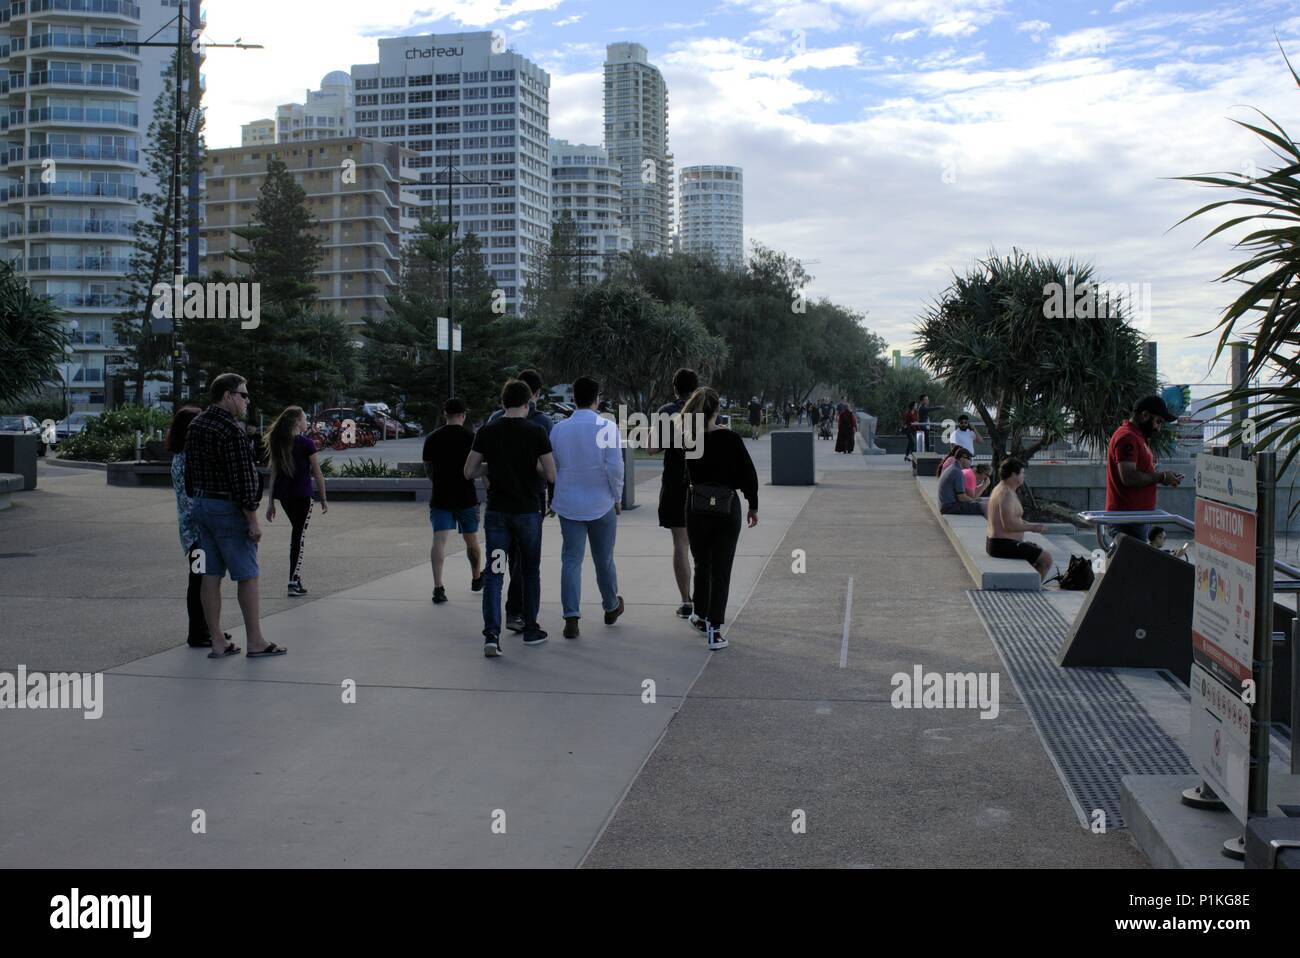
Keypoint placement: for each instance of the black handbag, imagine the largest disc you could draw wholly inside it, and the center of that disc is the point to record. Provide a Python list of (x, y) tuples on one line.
[(707, 499)]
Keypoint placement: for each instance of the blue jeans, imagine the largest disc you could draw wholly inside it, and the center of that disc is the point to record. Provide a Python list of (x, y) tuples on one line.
[(502, 530), (576, 533)]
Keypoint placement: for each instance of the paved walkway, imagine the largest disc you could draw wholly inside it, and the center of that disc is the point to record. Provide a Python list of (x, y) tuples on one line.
[(549, 742)]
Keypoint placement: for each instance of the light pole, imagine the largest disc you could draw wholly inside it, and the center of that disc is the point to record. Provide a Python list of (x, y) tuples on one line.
[(451, 236), (173, 213)]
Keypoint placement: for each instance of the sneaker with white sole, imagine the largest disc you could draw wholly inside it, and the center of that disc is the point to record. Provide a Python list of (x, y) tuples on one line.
[(715, 640), (699, 623), (296, 589), (684, 610), (491, 645)]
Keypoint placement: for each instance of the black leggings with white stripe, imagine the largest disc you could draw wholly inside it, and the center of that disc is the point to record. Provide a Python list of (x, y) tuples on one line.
[(298, 509)]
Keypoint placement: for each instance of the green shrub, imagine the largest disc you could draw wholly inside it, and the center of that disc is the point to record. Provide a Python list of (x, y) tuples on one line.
[(125, 420), (88, 447), (327, 466), (367, 469), (110, 437)]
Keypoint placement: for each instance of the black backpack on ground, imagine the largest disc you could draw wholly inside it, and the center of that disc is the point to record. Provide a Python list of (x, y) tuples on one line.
[(1078, 575)]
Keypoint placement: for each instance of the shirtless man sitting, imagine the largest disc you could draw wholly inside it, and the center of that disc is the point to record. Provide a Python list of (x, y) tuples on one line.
[(1007, 526)]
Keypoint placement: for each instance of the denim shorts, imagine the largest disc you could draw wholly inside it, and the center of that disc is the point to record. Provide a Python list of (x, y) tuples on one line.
[(223, 537), (444, 520)]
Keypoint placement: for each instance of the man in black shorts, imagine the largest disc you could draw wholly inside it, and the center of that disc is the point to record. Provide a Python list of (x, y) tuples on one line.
[(1007, 526), (672, 488)]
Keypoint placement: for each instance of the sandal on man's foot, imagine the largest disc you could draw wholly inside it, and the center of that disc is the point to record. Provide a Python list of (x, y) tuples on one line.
[(231, 649), (271, 649)]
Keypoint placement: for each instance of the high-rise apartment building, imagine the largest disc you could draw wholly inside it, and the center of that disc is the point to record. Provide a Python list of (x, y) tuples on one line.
[(586, 185), (357, 205), (464, 99), (636, 139), (257, 133), (711, 201), (73, 116)]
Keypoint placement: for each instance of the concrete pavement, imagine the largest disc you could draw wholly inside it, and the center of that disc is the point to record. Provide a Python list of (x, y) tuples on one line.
[(439, 746), (536, 759)]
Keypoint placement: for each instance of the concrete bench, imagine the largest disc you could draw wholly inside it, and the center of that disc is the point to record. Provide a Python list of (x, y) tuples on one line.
[(10, 482), (967, 534)]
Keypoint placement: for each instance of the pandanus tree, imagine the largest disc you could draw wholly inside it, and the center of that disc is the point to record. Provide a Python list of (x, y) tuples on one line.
[(1033, 371), (1265, 317), (32, 338)]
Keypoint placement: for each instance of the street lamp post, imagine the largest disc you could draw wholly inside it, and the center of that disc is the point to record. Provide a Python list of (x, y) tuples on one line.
[(451, 236)]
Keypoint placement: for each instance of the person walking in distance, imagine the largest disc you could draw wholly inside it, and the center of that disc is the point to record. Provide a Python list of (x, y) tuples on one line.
[(222, 482), (847, 426), (588, 499), (293, 469), (453, 503), (722, 467), (672, 485), (755, 417), (512, 452), (189, 532), (514, 594)]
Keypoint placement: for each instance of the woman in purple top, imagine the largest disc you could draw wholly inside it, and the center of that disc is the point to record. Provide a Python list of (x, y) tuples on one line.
[(293, 465)]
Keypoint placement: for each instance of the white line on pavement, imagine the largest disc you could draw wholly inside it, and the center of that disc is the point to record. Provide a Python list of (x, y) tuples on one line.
[(848, 616)]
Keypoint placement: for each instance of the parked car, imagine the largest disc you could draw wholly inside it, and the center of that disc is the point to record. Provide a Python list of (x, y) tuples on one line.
[(74, 424), (27, 425), (383, 424)]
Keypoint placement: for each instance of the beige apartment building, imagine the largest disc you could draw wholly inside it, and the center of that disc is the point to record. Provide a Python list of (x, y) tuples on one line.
[(356, 189)]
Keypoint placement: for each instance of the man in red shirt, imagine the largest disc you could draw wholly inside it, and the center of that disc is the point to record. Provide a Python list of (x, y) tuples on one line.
[(1131, 476)]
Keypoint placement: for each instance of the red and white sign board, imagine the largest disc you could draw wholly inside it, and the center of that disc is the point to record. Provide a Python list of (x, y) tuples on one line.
[(1223, 606)]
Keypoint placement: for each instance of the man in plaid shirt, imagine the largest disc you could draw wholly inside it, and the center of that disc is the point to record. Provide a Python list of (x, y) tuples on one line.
[(221, 479)]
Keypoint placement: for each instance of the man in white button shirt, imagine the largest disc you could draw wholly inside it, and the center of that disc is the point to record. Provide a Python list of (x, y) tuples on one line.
[(588, 499)]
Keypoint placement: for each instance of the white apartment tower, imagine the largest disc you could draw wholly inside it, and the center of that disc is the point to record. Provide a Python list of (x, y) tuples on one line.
[(467, 100), (73, 118), (636, 139), (711, 200), (588, 186)]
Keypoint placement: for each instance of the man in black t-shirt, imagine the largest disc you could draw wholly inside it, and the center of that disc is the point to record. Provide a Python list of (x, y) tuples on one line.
[(512, 452), (454, 501), (672, 488)]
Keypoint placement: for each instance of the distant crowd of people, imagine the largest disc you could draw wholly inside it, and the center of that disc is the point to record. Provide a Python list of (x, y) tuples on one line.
[(531, 468)]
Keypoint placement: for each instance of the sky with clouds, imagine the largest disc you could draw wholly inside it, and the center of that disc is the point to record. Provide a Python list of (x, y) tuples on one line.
[(888, 143)]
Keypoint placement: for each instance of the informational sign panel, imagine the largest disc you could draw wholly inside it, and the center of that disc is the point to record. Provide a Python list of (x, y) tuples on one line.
[(442, 335), (1229, 481), (1223, 606), (1221, 740)]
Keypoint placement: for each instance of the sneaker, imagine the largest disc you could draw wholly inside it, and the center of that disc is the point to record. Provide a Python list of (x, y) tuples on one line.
[(684, 610), (699, 623), (716, 641), (439, 594), (571, 627), (491, 645), (476, 585), (537, 638), (612, 617), (296, 588), (515, 623)]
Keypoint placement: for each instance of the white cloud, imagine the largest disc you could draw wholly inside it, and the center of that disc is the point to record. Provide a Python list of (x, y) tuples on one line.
[(1123, 5), (1090, 42), (905, 35), (1035, 29), (567, 21)]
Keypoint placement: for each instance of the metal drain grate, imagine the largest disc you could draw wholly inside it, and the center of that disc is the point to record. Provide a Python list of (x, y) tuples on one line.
[(1093, 728)]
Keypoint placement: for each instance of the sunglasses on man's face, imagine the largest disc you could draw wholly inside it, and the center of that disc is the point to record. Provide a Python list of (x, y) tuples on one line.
[(238, 393)]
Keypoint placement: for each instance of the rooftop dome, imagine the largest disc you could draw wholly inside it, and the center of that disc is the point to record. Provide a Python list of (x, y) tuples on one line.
[(336, 78)]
